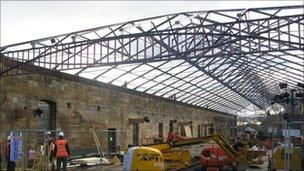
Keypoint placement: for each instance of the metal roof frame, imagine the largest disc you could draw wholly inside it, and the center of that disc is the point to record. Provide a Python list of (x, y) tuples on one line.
[(224, 60)]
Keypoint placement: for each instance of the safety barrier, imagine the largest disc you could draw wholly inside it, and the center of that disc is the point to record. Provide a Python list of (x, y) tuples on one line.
[(32, 148)]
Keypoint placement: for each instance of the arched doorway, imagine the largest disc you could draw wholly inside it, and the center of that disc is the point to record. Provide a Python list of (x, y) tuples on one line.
[(46, 121)]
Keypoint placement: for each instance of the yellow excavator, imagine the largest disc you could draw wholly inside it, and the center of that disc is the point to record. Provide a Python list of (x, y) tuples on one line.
[(168, 155)]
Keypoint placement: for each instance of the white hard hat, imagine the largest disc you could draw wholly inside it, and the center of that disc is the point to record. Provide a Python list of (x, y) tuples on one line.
[(8, 137), (48, 133), (60, 134)]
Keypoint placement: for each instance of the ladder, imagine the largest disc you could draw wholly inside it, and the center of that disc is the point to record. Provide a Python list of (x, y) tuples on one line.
[(41, 161), (97, 143)]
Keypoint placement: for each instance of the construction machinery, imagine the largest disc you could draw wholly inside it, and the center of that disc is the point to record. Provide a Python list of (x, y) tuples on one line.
[(278, 162), (169, 155), (143, 158), (215, 157)]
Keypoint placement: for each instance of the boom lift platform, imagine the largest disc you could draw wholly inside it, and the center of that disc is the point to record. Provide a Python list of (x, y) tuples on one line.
[(169, 156)]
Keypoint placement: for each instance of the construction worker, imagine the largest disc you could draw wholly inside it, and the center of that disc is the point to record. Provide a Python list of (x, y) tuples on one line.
[(62, 151), (50, 145), (172, 136), (7, 150)]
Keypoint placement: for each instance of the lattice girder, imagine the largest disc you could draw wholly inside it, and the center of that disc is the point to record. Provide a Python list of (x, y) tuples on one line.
[(243, 53)]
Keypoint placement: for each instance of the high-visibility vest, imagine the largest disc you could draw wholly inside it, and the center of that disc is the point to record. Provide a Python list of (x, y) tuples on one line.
[(61, 148)]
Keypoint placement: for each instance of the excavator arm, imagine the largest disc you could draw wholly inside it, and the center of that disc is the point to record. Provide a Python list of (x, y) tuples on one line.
[(215, 137), (160, 146), (193, 141), (226, 146)]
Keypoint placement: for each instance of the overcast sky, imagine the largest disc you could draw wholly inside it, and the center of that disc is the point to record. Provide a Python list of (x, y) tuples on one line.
[(26, 20)]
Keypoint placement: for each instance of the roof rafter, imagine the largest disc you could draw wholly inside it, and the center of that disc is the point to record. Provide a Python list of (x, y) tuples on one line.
[(223, 60)]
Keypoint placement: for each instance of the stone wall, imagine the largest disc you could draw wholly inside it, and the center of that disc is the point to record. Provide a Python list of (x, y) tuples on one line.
[(85, 104)]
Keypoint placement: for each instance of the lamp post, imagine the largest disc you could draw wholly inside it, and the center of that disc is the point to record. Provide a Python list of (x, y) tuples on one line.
[(287, 146)]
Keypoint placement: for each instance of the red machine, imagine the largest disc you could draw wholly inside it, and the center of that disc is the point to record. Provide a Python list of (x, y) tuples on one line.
[(215, 158), (268, 144), (172, 136)]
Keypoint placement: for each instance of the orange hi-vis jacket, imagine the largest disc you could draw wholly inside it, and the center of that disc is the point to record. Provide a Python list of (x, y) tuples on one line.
[(61, 148)]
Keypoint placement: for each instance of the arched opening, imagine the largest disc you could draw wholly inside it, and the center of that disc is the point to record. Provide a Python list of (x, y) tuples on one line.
[(46, 121)]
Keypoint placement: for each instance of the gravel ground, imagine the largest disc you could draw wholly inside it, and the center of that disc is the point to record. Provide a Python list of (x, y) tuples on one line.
[(196, 167)]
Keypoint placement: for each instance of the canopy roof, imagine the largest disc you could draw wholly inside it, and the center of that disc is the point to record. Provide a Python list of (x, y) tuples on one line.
[(224, 60)]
